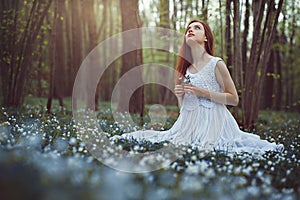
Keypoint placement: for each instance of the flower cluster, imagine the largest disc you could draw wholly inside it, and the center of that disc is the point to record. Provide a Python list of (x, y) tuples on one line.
[(53, 150)]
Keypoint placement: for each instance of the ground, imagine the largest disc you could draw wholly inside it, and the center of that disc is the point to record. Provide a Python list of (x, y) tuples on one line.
[(43, 157)]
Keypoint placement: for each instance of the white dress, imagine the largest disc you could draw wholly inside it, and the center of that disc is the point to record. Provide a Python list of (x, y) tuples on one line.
[(206, 124)]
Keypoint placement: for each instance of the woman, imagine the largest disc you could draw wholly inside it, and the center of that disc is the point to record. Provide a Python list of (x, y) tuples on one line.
[(203, 88)]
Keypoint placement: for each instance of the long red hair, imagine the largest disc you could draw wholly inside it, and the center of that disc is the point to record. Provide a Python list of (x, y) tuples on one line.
[(185, 55)]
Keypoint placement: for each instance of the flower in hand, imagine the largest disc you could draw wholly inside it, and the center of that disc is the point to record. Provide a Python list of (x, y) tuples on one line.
[(187, 79), (179, 88)]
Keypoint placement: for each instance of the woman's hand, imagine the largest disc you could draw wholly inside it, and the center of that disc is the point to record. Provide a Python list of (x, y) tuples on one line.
[(194, 90), (179, 91)]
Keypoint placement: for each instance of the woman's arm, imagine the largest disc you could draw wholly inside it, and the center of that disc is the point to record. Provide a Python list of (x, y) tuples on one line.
[(179, 92), (228, 97)]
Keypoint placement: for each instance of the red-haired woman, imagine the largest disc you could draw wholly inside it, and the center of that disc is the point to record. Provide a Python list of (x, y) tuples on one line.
[(203, 88)]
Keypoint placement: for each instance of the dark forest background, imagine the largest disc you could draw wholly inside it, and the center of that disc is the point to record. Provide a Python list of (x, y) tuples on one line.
[(43, 43)]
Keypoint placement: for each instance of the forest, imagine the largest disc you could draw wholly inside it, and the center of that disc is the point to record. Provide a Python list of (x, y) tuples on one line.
[(44, 43), (47, 44)]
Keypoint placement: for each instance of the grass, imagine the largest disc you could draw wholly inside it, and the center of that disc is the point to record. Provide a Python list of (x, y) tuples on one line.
[(43, 156)]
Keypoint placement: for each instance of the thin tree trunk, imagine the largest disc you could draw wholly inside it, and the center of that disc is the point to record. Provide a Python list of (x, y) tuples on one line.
[(268, 94), (205, 9), (39, 68), (237, 65), (69, 46), (221, 27), (245, 36), (76, 37), (228, 36), (278, 82), (291, 61), (52, 57)]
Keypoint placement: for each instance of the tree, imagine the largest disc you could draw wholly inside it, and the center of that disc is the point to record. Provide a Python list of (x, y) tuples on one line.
[(205, 9), (164, 22), (228, 35), (256, 68), (56, 56), (21, 22), (91, 41), (77, 37), (130, 20), (237, 50)]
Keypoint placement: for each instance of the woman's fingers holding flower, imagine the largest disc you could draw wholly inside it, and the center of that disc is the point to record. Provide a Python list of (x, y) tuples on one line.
[(194, 90), (189, 89)]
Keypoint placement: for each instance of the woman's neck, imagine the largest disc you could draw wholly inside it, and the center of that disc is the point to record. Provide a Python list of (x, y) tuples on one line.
[(199, 54)]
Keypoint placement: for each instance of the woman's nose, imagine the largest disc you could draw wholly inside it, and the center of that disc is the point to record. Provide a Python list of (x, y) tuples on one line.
[(190, 30)]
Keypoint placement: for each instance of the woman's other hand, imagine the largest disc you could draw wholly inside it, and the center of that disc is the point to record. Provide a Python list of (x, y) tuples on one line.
[(179, 91)]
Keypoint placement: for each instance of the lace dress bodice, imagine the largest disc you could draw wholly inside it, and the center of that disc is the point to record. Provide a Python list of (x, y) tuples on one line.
[(206, 79)]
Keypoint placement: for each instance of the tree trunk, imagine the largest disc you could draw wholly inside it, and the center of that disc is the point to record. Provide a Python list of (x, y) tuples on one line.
[(103, 34), (228, 36), (52, 57), (292, 62), (260, 52), (205, 9), (237, 65), (77, 29), (268, 89), (164, 22), (91, 42), (278, 82), (130, 20), (221, 27), (39, 68), (57, 58), (245, 37)]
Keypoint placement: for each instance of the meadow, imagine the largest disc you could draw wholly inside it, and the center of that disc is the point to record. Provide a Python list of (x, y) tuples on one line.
[(43, 157)]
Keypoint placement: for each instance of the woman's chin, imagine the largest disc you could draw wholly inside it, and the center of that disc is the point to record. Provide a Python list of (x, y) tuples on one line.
[(192, 42)]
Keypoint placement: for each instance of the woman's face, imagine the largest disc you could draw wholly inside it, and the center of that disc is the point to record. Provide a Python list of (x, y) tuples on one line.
[(195, 33)]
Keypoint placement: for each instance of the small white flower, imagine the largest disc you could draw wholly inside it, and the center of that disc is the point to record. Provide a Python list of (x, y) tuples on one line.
[(72, 141), (194, 158), (136, 147), (80, 149), (269, 162)]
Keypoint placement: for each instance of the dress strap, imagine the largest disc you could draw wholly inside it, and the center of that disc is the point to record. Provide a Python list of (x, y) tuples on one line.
[(214, 63), (216, 60)]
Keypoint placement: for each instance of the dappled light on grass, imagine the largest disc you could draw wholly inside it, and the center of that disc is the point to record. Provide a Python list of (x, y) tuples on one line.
[(48, 149)]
